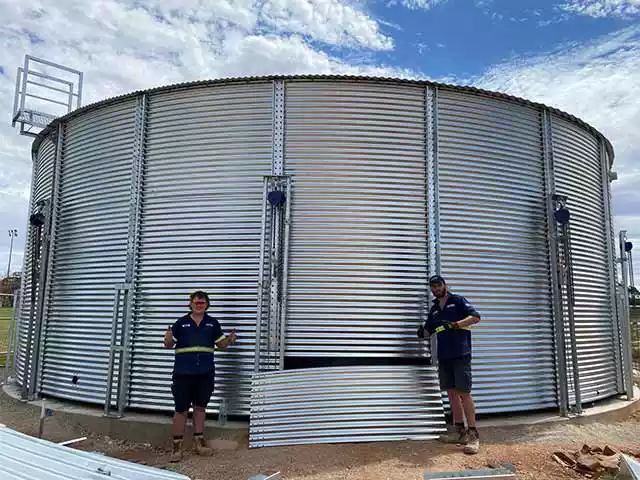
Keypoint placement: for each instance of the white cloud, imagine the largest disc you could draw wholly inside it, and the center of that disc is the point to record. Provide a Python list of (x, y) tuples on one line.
[(597, 82), (603, 8), (125, 45), (416, 4), (317, 18)]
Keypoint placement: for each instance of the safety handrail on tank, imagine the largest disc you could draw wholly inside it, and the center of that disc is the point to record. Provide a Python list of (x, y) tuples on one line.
[(49, 90)]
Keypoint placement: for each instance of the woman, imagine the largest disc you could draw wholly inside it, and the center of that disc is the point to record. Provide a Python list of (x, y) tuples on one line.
[(195, 337)]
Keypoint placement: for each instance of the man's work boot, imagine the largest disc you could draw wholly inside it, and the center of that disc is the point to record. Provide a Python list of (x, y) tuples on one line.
[(473, 443), (176, 452), (201, 446), (455, 434)]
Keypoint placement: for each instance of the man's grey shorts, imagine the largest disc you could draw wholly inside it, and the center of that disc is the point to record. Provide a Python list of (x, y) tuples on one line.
[(455, 374)]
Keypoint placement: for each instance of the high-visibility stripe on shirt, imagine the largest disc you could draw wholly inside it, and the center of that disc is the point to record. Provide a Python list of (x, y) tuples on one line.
[(199, 349), (195, 349)]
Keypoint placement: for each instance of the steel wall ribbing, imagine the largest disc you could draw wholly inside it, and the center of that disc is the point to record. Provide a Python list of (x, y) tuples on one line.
[(89, 252), (493, 245), (358, 254), (41, 189), (578, 175), (207, 151), (346, 404), (357, 153)]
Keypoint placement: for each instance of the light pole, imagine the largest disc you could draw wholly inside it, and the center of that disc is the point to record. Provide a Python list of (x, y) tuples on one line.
[(12, 234)]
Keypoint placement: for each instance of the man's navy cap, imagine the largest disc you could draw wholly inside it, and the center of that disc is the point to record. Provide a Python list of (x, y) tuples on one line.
[(436, 279)]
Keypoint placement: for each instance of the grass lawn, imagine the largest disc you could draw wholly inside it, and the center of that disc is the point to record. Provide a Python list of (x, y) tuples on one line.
[(5, 320)]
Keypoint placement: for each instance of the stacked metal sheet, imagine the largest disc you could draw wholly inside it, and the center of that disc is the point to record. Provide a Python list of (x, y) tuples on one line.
[(345, 404), (27, 458), (629, 468)]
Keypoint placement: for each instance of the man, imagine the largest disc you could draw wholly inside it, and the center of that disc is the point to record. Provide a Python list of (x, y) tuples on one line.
[(450, 318), (195, 337)]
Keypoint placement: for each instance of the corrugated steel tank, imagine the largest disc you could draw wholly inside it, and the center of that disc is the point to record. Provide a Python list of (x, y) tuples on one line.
[(392, 180)]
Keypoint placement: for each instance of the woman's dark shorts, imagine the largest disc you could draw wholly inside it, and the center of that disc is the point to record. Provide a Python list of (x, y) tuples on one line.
[(191, 390)]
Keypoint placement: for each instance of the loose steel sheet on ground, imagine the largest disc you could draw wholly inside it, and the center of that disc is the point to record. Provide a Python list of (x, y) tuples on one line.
[(345, 404), (27, 458)]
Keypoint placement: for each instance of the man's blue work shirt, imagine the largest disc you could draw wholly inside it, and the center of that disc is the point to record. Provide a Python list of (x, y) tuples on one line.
[(195, 344), (451, 343)]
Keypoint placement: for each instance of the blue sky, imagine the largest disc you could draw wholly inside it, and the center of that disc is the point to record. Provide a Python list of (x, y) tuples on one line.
[(460, 38), (582, 56)]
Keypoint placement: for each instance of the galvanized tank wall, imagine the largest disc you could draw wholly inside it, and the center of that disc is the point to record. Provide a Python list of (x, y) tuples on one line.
[(89, 251), (493, 244), (363, 226), (207, 151), (41, 189), (578, 175), (358, 260)]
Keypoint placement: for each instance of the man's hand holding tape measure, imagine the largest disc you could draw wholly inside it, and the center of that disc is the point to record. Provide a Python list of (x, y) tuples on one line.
[(444, 326)]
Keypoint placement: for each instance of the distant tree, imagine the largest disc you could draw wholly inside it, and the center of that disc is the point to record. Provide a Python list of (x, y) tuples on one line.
[(634, 297), (8, 285)]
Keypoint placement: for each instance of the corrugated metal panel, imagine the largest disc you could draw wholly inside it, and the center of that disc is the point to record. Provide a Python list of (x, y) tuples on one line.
[(356, 151), (26, 458), (207, 152), (578, 175), (630, 467), (358, 252), (493, 245), (317, 78), (89, 252), (334, 405), (41, 188)]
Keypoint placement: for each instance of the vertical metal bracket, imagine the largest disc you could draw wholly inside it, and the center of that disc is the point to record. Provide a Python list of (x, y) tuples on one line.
[(554, 267), (26, 274), (32, 241), (276, 220), (271, 331), (48, 258), (611, 260), (627, 350), (39, 271), (277, 167), (118, 345), (433, 214), (261, 279), (433, 209), (137, 164), (566, 269), (38, 321), (284, 296), (123, 346)]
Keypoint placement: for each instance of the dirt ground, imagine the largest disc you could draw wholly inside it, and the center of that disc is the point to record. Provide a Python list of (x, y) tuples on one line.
[(529, 449)]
